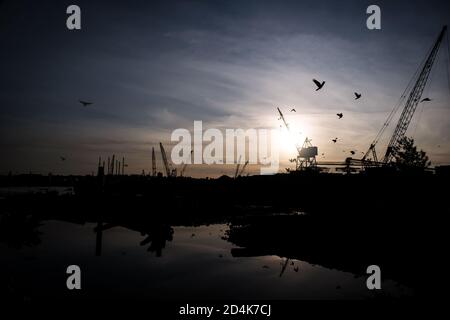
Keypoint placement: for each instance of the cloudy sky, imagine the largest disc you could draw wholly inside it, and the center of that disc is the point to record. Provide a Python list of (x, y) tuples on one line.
[(151, 67)]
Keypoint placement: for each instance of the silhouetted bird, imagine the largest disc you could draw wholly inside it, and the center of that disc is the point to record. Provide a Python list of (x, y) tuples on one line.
[(357, 95), (319, 84), (296, 269), (293, 110), (335, 140), (425, 100), (85, 103), (340, 115), (62, 158)]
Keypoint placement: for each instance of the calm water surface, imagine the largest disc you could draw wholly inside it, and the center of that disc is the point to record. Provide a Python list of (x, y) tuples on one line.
[(177, 263)]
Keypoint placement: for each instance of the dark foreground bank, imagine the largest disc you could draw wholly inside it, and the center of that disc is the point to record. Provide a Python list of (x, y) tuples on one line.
[(284, 237)]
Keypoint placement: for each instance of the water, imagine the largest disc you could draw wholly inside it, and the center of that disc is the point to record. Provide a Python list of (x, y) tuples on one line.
[(10, 191), (190, 263)]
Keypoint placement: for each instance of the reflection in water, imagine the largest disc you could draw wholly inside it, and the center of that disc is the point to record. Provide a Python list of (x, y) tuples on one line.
[(199, 264), (155, 234)]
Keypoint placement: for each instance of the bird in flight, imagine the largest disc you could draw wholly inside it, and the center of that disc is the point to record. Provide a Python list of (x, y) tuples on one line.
[(340, 115), (62, 158), (293, 110), (319, 84), (85, 103), (425, 100), (357, 95), (334, 140)]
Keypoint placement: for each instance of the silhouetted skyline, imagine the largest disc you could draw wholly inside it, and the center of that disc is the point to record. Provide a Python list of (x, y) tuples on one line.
[(152, 67)]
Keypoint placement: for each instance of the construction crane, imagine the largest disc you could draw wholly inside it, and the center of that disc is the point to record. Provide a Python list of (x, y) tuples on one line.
[(282, 118), (169, 171), (153, 162), (306, 154), (414, 97), (237, 167), (183, 169), (240, 172)]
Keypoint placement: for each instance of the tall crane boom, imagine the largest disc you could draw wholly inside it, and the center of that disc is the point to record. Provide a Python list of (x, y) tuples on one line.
[(243, 168), (153, 162), (287, 126), (166, 163), (413, 99), (282, 118), (183, 169)]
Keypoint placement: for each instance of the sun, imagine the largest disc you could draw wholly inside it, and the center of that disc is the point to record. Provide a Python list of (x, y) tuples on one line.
[(292, 138)]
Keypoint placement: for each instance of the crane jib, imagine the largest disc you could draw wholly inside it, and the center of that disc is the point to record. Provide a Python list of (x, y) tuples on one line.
[(412, 101)]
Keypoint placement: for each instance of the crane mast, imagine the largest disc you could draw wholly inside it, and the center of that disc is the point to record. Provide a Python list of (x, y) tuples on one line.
[(413, 100), (242, 169), (183, 169), (153, 162), (166, 163)]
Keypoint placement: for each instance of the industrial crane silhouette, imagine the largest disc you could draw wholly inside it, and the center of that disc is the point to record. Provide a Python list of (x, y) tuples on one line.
[(183, 169), (153, 162), (238, 172), (306, 154), (169, 171), (414, 97)]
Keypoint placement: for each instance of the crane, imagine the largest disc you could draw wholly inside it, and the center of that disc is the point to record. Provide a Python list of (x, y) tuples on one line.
[(183, 169), (282, 118), (306, 154), (413, 100), (242, 169), (169, 171), (237, 167), (153, 162)]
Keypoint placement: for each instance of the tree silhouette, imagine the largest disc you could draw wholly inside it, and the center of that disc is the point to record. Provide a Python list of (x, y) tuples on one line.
[(408, 158)]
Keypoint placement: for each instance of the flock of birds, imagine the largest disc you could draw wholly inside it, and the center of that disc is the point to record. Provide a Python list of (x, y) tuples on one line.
[(340, 115), (319, 86)]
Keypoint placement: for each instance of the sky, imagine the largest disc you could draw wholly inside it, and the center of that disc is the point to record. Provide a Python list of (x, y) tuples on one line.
[(151, 67)]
